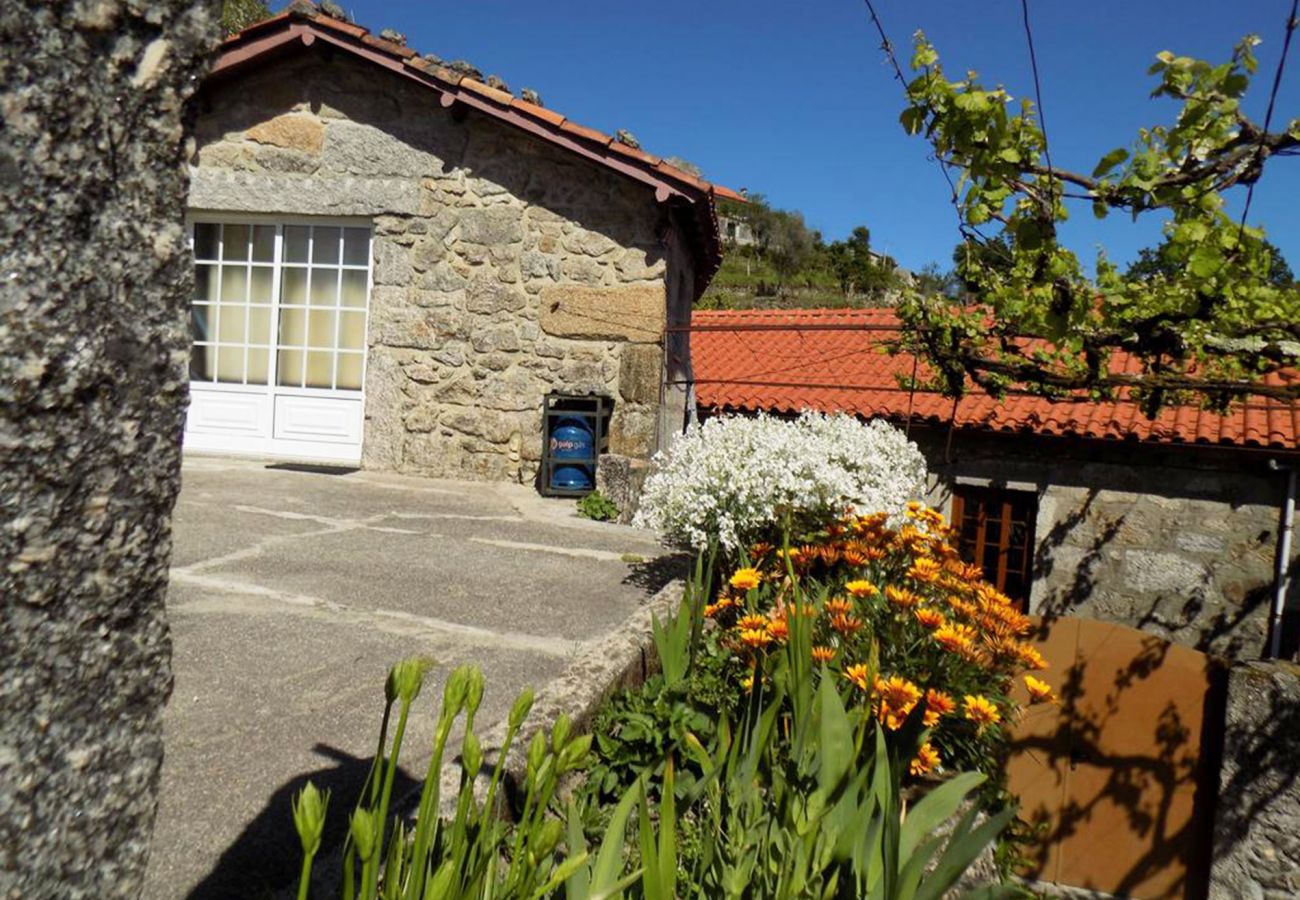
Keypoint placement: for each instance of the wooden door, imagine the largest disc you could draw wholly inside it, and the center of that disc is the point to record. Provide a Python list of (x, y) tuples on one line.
[(1119, 778)]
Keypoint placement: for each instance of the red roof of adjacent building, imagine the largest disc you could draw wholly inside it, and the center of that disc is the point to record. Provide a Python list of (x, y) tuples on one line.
[(834, 360), (303, 24)]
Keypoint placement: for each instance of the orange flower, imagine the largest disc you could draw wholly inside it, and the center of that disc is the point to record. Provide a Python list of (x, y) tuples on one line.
[(981, 711), (926, 570), (925, 760), (1039, 691), (955, 638), (823, 654), (857, 673), (846, 625), (746, 579), (855, 556), (1030, 656), (963, 608), (991, 596), (778, 628), (930, 618), (897, 698), (760, 550), (901, 597), (752, 622), (838, 607), (964, 570), (724, 603), (755, 638), (862, 588), (937, 705)]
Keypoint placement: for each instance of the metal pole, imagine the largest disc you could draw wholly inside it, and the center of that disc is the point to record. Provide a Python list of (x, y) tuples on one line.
[(1282, 573)]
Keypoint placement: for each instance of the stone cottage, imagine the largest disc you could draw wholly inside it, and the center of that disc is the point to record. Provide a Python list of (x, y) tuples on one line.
[(1175, 526), (397, 263)]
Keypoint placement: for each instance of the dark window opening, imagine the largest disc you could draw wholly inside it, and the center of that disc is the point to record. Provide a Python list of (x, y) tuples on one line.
[(995, 530)]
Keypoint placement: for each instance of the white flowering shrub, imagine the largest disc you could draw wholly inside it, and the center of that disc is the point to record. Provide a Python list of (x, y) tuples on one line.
[(735, 478)]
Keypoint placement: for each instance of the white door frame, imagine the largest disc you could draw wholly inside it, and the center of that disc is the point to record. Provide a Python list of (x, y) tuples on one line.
[(307, 423)]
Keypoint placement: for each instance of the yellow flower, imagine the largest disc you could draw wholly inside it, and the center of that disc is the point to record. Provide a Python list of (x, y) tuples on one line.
[(748, 683), (752, 622), (1030, 656), (926, 570), (963, 608), (862, 588), (926, 759), (955, 638), (981, 711), (1039, 691), (937, 705), (857, 673), (755, 637), (746, 579), (901, 597), (823, 654), (897, 698), (930, 618)]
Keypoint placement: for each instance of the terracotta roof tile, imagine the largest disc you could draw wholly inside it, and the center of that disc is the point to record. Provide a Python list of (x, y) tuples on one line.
[(549, 116), (400, 50), (484, 90), (583, 131), (835, 360), (636, 153), (339, 25)]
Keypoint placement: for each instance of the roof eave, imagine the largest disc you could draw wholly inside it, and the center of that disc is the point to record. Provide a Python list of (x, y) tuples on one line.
[(288, 30)]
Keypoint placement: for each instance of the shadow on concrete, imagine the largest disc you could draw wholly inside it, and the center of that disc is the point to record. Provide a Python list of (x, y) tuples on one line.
[(654, 575), (265, 860)]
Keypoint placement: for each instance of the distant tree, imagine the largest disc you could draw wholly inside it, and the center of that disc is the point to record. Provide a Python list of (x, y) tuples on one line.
[(1169, 261), (237, 15), (790, 245), (932, 281), (852, 262)]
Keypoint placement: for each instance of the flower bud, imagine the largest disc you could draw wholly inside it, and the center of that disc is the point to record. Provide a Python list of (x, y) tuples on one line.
[(560, 733), (407, 677), (536, 751), (523, 704), (548, 836), (309, 808), (574, 753), (474, 689), (365, 833), (471, 755), (453, 695)]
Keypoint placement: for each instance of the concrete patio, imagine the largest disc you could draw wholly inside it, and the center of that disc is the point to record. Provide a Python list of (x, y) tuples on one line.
[(292, 593)]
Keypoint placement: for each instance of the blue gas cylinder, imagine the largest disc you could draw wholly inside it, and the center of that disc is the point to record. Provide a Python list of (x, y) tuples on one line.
[(572, 439)]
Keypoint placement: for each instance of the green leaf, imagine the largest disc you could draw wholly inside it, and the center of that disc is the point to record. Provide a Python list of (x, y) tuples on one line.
[(835, 737), (936, 808), (913, 119), (1110, 161)]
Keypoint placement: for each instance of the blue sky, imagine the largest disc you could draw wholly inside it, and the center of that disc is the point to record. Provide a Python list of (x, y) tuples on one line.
[(793, 98)]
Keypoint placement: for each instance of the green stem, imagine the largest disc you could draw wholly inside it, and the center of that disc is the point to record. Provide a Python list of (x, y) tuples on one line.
[(372, 882), (304, 879)]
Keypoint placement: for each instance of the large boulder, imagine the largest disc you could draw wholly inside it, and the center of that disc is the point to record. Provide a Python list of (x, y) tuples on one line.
[(93, 354)]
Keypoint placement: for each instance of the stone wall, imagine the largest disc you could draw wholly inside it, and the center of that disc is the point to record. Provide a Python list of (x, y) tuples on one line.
[(505, 268), (93, 350), (1257, 823), (1178, 542)]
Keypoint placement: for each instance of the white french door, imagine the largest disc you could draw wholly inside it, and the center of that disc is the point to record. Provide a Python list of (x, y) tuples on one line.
[(279, 328)]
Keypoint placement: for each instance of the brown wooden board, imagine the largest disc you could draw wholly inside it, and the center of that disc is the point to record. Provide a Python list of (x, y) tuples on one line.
[(1110, 776)]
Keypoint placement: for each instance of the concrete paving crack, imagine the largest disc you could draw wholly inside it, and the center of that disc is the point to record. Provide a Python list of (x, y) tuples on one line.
[(252, 597)]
